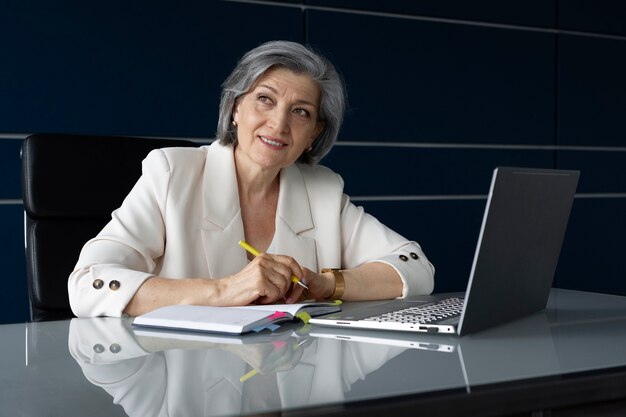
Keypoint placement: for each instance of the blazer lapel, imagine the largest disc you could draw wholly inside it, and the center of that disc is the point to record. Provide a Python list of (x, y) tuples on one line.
[(222, 227), (293, 217)]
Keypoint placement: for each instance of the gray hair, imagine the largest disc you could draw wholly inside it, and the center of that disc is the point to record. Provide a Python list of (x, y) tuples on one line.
[(299, 59)]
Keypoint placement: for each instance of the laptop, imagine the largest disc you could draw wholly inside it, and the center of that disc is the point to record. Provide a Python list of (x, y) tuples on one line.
[(518, 249)]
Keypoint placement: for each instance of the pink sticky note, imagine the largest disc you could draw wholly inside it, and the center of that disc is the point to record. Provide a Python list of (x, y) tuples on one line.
[(277, 315)]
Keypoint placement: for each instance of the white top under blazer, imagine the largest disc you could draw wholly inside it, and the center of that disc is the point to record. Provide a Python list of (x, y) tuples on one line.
[(182, 220)]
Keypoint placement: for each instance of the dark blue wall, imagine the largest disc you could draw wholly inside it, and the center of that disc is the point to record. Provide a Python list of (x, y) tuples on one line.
[(440, 93)]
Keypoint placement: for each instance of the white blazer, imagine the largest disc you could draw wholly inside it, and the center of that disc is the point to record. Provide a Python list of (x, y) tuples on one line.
[(182, 220)]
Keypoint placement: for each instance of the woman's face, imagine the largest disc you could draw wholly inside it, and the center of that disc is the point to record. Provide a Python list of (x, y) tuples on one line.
[(277, 119)]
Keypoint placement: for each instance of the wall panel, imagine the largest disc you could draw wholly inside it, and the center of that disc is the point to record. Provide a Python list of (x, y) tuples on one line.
[(10, 169), (601, 171), (126, 68), (434, 82), (591, 91), (593, 251), (408, 171), (531, 13), (595, 16), (14, 294)]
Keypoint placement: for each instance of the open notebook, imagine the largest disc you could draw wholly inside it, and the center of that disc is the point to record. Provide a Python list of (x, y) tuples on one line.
[(232, 320)]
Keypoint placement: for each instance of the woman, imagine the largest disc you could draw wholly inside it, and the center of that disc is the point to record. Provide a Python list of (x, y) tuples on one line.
[(175, 238)]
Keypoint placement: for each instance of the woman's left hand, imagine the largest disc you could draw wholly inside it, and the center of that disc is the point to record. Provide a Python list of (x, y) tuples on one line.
[(321, 286)]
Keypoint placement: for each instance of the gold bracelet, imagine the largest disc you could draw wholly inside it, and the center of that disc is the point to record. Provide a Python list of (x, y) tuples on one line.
[(340, 283)]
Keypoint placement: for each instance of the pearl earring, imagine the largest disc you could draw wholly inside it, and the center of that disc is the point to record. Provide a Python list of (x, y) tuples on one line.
[(234, 123)]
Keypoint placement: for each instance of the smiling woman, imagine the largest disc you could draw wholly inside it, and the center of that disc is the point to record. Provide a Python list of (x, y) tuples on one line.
[(280, 113), (276, 121)]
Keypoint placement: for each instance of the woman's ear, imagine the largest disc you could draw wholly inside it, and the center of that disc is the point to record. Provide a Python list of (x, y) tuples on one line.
[(235, 111)]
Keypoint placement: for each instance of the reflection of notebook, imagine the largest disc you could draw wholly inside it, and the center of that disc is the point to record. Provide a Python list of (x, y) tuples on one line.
[(517, 252), (156, 339)]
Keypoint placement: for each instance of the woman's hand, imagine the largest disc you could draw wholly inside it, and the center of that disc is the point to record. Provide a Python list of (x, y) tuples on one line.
[(269, 358), (265, 280), (321, 286)]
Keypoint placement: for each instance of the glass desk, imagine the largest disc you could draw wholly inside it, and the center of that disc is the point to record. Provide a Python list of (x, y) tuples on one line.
[(570, 355)]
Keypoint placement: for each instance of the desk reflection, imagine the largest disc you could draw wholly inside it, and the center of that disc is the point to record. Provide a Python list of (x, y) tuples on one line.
[(578, 333), (149, 373), (211, 375)]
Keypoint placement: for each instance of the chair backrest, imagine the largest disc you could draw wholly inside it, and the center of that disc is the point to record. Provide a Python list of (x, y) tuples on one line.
[(70, 186)]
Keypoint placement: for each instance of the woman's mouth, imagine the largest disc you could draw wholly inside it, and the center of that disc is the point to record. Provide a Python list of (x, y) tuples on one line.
[(272, 142)]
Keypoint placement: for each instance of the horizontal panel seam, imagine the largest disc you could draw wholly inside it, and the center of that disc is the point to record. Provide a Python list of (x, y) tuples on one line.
[(426, 145), (418, 197), (465, 197), (482, 146), (11, 201), (435, 197), (601, 195), (13, 136), (453, 21), (22, 136)]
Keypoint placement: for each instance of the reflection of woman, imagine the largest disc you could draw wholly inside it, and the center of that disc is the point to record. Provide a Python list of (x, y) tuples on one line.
[(174, 239), (207, 380)]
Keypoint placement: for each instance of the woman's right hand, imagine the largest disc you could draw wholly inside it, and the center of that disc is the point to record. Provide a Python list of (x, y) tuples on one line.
[(265, 280)]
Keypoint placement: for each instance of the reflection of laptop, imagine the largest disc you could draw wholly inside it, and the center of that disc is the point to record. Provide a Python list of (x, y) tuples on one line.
[(517, 252), (422, 341), (526, 348)]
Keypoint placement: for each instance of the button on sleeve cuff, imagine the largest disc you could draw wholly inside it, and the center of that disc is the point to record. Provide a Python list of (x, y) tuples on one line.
[(415, 271), (103, 289)]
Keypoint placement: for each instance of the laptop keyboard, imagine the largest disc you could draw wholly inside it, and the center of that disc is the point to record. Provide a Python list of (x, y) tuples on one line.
[(424, 314)]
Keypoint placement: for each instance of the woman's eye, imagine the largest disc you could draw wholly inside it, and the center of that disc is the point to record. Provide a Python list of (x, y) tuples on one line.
[(264, 99), (301, 112)]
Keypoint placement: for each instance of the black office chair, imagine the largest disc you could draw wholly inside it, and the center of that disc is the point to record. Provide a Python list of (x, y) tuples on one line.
[(70, 186)]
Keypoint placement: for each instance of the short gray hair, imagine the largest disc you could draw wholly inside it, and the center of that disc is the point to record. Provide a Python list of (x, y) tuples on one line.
[(299, 59)]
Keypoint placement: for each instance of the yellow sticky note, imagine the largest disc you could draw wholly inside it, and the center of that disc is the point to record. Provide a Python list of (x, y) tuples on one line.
[(304, 316)]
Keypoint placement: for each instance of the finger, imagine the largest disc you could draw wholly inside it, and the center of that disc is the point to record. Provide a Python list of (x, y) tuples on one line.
[(268, 293), (278, 281), (294, 269), (267, 283), (314, 283), (309, 279), (291, 263), (295, 294), (248, 288), (277, 273)]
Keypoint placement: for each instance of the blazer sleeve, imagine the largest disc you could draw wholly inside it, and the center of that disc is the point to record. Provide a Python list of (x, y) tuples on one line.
[(113, 265), (365, 239)]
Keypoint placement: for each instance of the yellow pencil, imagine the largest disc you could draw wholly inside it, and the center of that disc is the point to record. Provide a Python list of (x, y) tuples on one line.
[(255, 252)]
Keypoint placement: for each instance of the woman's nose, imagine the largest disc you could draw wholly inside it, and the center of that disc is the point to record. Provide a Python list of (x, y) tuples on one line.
[(279, 121)]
